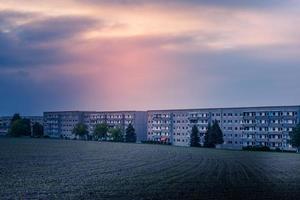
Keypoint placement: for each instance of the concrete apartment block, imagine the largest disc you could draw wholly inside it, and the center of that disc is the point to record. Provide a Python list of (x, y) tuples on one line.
[(245, 126), (61, 124)]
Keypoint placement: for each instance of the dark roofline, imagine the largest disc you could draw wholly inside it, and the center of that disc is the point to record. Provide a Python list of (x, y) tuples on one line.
[(77, 111), (250, 107)]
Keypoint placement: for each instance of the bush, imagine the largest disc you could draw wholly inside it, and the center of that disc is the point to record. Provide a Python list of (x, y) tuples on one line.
[(155, 142), (256, 148)]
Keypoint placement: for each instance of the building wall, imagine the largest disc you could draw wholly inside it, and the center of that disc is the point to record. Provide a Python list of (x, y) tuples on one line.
[(264, 126), (159, 127), (140, 125), (61, 124)]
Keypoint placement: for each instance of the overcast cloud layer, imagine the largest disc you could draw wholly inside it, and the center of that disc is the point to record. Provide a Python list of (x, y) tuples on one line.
[(140, 55)]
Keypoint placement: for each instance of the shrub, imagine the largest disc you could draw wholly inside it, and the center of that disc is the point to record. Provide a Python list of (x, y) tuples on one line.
[(155, 142), (256, 148)]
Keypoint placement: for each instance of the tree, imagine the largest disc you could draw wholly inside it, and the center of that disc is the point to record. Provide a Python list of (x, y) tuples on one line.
[(81, 130), (195, 137), (37, 130), (116, 134), (130, 135), (15, 117), (207, 137), (295, 137), (27, 127), (213, 135), (217, 133), (100, 131), (17, 128)]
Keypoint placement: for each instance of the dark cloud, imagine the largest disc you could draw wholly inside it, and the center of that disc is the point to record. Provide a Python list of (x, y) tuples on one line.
[(17, 53), (40, 42), (54, 29)]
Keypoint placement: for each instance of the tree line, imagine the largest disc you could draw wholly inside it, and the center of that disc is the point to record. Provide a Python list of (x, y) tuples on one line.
[(22, 127), (102, 132)]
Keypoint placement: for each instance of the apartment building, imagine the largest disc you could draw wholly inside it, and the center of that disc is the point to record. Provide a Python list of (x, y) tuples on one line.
[(5, 122), (247, 126), (61, 124)]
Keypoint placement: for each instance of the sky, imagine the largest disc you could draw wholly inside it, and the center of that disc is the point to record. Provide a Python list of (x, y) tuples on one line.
[(142, 54)]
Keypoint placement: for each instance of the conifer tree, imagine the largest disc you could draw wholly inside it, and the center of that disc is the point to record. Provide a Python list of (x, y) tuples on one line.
[(130, 135), (195, 137)]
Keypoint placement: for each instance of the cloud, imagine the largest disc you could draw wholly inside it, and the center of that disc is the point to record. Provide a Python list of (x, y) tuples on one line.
[(17, 53), (217, 3), (54, 29), (39, 42), (147, 54), (10, 17)]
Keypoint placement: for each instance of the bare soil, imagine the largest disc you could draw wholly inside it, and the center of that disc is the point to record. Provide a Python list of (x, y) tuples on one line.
[(58, 169)]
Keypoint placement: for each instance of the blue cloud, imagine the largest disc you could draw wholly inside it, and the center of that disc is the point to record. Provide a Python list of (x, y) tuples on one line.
[(21, 45), (54, 29)]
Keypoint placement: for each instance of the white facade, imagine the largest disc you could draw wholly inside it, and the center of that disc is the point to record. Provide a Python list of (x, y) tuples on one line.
[(257, 126), (61, 124)]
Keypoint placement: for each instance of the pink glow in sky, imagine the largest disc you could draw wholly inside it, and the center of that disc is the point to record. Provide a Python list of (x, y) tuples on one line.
[(139, 55)]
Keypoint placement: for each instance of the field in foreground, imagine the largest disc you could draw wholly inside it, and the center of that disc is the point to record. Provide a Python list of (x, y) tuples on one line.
[(56, 169)]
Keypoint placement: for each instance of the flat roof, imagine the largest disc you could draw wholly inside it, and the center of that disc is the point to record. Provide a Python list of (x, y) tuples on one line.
[(77, 111), (254, 107)]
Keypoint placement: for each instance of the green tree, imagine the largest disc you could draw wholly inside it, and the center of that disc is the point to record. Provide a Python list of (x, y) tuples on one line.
[(217, 133), (100, 131), (37, 130), (80, 130), (213, 135), (207, 137), (27, 127), (130, 135), (194, 140), (17, 128), (116, 134), (295, 137), (15, 117)]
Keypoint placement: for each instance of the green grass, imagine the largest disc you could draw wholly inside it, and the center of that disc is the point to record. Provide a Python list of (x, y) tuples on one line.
[(58, 169)]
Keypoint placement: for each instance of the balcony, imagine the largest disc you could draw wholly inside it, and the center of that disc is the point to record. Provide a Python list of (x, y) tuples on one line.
[(198, 116)]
